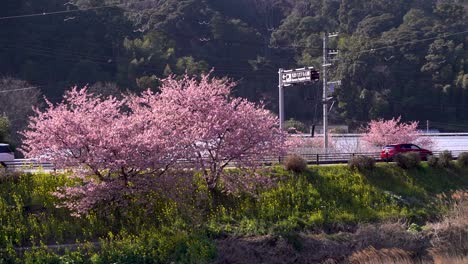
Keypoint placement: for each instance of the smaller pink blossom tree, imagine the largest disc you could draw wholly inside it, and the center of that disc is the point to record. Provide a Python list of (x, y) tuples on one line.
[(381, 132)]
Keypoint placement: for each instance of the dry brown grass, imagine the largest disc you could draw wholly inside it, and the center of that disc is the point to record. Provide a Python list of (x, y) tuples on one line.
[(450, 236), (445, 242), (390, 235), (450, 260), (382, 256)]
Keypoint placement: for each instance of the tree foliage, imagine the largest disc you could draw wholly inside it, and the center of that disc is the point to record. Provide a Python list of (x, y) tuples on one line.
[(381, 132), (122, 147), (17, 98), (395, 56), (4, 130), (219, 130)]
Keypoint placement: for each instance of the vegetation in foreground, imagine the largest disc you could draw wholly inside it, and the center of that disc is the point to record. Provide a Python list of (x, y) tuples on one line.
[(183, 230)]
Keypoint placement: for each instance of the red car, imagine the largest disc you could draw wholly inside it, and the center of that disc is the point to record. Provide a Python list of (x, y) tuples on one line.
[(389, 151)]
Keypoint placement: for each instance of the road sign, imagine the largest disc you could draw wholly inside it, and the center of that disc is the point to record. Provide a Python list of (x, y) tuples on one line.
[(290, 77), (299, 76)]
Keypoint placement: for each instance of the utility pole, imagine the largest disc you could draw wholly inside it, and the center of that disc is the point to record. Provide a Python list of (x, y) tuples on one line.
[(325, 97), (281, 97), (325, 92)]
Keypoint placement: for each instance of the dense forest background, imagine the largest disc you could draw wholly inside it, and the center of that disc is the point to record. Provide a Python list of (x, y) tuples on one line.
[(396, 57)]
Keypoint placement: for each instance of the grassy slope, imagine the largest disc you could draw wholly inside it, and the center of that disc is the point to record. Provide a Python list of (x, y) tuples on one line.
[(328, 197), (335, 197)]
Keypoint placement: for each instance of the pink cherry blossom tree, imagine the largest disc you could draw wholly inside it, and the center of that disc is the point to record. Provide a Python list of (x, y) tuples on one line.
[(381, 132), (106, 145), (219, 130), (121, 147)]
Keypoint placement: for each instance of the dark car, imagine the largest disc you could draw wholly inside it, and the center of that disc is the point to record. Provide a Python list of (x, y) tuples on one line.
[(389, 151)]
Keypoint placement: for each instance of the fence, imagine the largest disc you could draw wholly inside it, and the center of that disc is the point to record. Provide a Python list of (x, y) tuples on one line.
[(28, 165), (336, 158)]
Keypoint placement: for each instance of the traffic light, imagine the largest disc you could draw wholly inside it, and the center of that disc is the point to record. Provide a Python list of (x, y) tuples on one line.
[(314, 75)]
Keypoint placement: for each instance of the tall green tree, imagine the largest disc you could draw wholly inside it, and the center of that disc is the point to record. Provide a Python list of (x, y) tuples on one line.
[(4, 129)]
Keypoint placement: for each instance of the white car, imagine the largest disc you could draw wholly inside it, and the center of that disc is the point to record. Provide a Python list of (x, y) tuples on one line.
[(6, 154)]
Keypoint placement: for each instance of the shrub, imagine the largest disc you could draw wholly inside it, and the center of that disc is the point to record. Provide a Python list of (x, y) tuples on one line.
[(361, 163), (409, 160), (295, 163), (433, 161), (445, 159), (462, 160), (297, 126)]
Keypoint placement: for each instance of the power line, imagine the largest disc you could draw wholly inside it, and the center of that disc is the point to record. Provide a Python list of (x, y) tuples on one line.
[(20, 89), (414, 41), (59, 51), (226, 41), (67, 11), (449, 124), (251, 43), (102, 59), (285, 47), (76, 56), (57, 12)]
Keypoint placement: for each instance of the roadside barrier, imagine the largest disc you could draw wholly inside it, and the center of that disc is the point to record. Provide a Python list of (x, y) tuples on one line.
[(30, 165), (26, 165)]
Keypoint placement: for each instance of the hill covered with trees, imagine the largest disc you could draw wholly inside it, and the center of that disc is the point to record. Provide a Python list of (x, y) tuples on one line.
[(396, 57)]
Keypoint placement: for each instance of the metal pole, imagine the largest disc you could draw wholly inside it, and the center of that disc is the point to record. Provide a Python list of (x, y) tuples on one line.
[(325, 94), (281, 98)]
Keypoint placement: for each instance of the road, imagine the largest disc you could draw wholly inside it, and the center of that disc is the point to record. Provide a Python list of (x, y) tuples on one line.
[(347, 143), (351, 143)]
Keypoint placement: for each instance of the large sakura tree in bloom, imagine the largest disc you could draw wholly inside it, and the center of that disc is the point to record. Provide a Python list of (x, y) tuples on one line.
[(218, 130), (121, 147), (381, 132)]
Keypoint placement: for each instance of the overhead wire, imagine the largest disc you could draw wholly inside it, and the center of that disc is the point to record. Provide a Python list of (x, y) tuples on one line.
[(19, 89), (59, 51), (106, 59), (415, 41), (71, 56), (449, 124), (240, 70), (64, 11), (235, 72), (228, 41)]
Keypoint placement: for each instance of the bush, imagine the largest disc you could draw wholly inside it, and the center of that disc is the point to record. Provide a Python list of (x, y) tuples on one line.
[(295, 125), (409, 160), (361, 163), (462, 160), (445, 159), (433, 161), (295, 163)]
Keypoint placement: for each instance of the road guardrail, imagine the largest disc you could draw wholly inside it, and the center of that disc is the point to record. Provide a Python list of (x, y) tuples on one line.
[(30, 165), (27, 165)]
